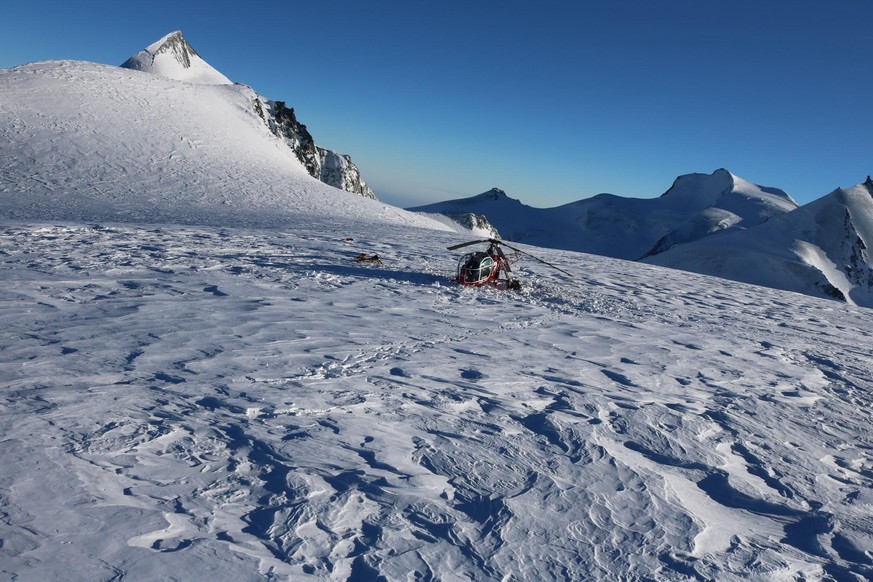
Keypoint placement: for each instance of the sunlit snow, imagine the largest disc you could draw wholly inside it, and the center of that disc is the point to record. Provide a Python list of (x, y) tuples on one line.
[(200, 382), (241, 404)]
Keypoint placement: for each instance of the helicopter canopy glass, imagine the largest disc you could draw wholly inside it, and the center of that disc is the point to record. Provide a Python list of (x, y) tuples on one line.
[(475, 268)]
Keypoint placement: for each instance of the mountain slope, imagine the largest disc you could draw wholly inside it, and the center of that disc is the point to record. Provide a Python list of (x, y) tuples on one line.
[(172, 57), (629, 228), (86, 141), (722, 202), (822, 249)]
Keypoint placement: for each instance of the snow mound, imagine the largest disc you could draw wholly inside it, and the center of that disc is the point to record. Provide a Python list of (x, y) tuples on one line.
[(174, 58), (96, 142)]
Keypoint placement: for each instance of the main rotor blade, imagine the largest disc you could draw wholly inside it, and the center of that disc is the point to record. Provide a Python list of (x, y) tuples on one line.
[(537, 259), (466, 244)]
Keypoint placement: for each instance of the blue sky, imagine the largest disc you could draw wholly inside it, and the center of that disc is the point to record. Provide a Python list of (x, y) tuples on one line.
[(551, 101)]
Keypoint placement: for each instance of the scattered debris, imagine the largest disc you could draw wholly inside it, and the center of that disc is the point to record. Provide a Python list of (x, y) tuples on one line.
[(364, 258)]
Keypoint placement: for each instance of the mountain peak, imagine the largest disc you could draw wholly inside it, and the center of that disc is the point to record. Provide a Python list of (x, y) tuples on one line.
[(176, 44), (495, 193), (173, 57), (701, 189)]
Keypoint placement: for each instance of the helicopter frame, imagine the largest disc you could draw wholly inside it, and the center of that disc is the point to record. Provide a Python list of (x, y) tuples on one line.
[(486, 267), (482, 268)]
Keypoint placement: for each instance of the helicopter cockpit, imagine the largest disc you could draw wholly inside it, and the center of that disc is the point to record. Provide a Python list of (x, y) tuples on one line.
[(475, 268)]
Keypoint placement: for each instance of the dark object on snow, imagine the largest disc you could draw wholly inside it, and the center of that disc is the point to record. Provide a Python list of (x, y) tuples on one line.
[(485, 267), (362, 258)]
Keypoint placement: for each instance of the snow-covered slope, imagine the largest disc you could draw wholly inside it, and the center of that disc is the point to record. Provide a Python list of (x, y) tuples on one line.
[(83, 141), (822, 248), (629, 228), (243, 405), (721, 202), (173, 57)]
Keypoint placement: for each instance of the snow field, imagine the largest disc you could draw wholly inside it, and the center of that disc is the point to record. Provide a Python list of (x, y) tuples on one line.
[(247, 404)]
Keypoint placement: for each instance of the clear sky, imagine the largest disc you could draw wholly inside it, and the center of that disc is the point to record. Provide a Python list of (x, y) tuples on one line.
[(551, 101)]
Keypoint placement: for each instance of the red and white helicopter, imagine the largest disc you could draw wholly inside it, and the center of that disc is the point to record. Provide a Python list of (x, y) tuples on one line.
[(491, 267)]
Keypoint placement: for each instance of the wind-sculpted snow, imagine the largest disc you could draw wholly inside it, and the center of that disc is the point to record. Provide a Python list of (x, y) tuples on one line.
[(239, 404)]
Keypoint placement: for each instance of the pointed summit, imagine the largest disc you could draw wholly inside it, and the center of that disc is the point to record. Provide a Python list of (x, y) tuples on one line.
[(495, 193), (174, 58)]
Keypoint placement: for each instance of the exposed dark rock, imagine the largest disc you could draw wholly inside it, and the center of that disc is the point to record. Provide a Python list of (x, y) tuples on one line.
[(339, 171), (324, 164), (475, 221), (832, 291), (284, 124)]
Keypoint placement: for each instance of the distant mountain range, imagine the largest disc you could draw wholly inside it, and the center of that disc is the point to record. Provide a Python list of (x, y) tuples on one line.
[(717, 224), (821, 249)]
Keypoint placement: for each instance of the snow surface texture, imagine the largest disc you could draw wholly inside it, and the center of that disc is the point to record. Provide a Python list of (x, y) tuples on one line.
[(243, 404), (174, 58)]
